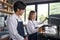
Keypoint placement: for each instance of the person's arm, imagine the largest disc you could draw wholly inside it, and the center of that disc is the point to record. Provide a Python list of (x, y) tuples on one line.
[(12, 27), (38, 22), (26, 36)]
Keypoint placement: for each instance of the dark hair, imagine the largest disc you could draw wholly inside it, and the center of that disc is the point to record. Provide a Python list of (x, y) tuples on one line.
[(19, 5), (30, 15)]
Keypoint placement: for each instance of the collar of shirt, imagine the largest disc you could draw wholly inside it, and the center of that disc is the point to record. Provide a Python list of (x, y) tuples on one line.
[(18, 18)]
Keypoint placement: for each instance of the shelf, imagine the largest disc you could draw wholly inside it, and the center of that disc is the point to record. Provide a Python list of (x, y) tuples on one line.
[(6, 4), (4, 11)]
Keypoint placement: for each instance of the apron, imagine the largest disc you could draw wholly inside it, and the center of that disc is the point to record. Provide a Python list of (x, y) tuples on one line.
[(20, 28), (32, 36)]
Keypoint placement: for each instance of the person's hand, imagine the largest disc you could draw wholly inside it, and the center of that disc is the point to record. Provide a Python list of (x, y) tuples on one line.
[(26, 38)]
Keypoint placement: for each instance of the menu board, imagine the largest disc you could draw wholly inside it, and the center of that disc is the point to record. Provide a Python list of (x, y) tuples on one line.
[(1, 21)]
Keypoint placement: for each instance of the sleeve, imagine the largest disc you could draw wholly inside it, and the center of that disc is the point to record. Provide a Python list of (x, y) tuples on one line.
[(31, 27), (38, 22), (12, 27)]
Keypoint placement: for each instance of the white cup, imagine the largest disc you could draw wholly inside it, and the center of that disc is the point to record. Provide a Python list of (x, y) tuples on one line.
[(46, 28)]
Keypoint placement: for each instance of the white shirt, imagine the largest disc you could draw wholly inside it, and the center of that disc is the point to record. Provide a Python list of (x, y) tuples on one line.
[(31, 27), (12, 26)]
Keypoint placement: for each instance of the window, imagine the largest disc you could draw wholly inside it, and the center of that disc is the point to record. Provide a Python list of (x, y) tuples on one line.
[(54, 8), (28, 9), (42, 11)]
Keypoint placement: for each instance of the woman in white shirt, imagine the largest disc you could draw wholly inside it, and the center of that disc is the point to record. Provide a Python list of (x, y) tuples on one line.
[(32, 26)]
